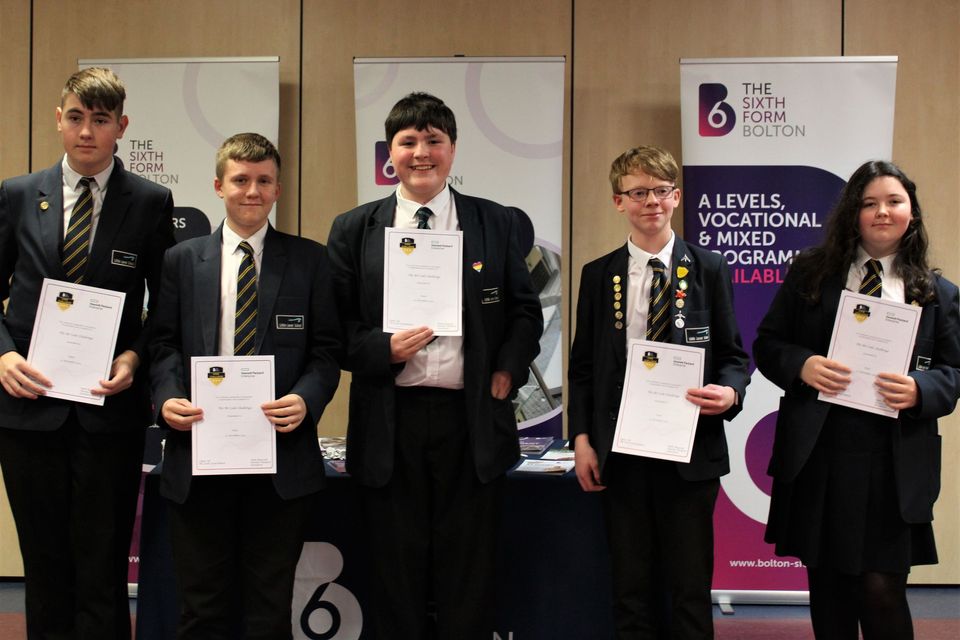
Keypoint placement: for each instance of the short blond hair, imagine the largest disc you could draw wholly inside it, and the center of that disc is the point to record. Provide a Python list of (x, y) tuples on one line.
[(246, 147), (651, 160)]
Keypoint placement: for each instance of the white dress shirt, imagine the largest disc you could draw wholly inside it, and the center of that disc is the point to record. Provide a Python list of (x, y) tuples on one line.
[(230, 257), (440, 363), (639, 281), (892, 288), (72, 191)]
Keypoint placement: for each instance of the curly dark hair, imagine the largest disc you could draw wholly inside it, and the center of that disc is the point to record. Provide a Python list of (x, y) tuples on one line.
[(839, 248)]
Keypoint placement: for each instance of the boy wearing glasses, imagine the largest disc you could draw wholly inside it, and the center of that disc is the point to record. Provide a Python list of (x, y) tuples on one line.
[(659, 514)]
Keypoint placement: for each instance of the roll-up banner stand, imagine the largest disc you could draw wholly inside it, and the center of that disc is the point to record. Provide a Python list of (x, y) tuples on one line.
[(509, 149), (768, 144), (180, 111)]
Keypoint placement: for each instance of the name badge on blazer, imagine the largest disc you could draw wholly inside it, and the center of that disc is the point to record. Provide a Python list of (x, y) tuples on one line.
[(694, 335), (123, 259), (923, 363), (290, 322), (490, 296)]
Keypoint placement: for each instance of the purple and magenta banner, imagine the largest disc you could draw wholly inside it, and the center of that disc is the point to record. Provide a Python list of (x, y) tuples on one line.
[(767, 147)]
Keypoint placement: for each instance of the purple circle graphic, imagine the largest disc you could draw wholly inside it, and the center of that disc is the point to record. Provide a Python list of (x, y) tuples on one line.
[(493, 133)]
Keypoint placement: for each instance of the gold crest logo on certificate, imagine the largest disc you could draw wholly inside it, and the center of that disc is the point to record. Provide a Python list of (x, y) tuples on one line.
[(64, 300), (650, 359), (407, 245), (216, 375)]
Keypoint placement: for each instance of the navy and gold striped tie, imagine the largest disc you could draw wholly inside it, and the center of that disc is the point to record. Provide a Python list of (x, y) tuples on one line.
[(659, 303), (76, 242), (245, 326), (872, 283)]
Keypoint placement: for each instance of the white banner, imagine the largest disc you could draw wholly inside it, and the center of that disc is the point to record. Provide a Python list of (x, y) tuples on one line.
[(509, 149), (767, 146), (181, 110)]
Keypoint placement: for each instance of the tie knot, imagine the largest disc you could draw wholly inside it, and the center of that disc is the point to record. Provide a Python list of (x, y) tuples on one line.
[(874, 266), (246, 248), (657, 265), (423, 215), (85, 183)]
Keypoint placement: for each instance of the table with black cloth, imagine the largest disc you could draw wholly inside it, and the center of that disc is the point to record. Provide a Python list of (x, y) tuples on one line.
[(554, 570)]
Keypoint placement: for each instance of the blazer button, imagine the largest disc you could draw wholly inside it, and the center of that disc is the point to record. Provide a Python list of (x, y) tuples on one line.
[(613, 416)]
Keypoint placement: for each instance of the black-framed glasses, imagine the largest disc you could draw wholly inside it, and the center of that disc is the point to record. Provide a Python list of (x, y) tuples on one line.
[(640, 194)]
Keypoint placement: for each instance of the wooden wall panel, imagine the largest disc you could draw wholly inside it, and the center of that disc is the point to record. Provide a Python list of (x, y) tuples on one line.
[(622, 90), (627, 84), (15, 80), (14, 154), (335, 32), (924, 35), (174, 28)]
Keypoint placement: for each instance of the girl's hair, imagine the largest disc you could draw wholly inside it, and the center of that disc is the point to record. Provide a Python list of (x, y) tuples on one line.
[(839, 248)]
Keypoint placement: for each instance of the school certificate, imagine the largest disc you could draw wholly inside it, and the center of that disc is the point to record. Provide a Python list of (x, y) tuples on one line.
[(74, 336), (234, 436), (423, 280), (656, 420), (871, 336)]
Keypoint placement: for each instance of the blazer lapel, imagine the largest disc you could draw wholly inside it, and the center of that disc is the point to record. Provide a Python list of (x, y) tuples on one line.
[(372, 277), (833, 286), (471, 223), (272, 267), (682, 262), (206, 292), (49, 210), (617, 275), (115, 208)]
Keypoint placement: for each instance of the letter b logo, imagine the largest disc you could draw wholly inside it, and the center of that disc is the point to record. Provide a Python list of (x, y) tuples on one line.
[(716, 116), (384, 173)]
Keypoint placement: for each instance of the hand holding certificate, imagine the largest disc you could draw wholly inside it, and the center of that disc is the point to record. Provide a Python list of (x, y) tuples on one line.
[(423, 280), (871, 336), (234, 436), (656, 420), (74, 338)]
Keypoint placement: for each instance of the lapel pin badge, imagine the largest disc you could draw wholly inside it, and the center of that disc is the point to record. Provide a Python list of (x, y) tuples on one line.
[(478, 266)]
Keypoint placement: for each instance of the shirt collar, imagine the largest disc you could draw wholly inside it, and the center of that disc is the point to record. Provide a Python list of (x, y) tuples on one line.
[(72, 179), (640, 258), (439, 204), (231, 240), (886, 261)]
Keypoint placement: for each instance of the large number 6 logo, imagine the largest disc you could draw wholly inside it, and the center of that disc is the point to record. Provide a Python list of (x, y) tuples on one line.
[(323, 609)]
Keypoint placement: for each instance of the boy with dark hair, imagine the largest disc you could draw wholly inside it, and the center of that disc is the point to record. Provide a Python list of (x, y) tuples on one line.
[(237, 538), (659, 514), (72, 470), (432, 430)]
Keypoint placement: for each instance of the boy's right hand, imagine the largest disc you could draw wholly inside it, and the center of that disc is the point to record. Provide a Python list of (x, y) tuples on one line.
[(405, 344), (586, 465), (179, 414), (19, 379)]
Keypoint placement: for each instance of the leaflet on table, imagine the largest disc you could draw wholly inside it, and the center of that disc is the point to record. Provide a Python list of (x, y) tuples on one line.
[(553, 467), (535, 444), (423, 280), (871, 336), (656, 420), (74, 338), (234, 437)]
